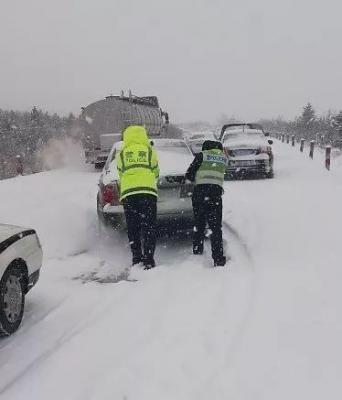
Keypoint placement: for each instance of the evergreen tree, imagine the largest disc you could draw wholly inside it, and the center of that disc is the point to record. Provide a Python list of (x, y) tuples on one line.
[(308, 115), (306, 125), (337, 126)]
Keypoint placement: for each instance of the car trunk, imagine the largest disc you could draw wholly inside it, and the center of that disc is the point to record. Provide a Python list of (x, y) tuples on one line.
[(171, 187)]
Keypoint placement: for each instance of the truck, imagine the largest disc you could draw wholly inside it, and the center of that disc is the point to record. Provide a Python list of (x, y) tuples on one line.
[(97, 155), (104, 121)]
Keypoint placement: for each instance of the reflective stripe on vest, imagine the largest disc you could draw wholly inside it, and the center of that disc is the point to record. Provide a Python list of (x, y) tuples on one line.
[(139, 189), (137, 164), (212, 169)]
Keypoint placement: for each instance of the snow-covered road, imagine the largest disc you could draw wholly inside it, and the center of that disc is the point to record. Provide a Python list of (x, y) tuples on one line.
[(266, 327)]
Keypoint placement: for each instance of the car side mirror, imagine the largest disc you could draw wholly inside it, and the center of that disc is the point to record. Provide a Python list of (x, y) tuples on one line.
[(270, 141)]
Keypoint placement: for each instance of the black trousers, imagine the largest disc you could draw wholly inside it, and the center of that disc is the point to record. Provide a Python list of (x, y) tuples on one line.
[(141, 215), (208, 210)]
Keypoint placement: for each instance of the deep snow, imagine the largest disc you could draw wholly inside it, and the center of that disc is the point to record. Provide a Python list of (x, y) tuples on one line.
[(266, 327)]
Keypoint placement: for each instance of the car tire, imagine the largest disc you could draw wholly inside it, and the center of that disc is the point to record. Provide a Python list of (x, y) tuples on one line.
[(99, 165), (270, 175), (12, 299)]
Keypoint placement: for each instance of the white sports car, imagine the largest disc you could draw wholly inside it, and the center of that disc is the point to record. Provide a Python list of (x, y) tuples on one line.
[(20, 262), (174, 202)]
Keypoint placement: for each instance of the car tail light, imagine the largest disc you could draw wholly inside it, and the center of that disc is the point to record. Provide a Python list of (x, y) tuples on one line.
[(264, 150), (228, 152), (110, 194)]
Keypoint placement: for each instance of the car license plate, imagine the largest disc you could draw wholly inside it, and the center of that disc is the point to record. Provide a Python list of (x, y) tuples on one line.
[(245, 163)]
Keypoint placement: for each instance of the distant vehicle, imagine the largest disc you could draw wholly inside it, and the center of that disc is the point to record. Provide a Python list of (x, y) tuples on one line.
[(20, 263), (239, 126), (248, 152), (99, 155), (174, 201), (196, 141), (112, 115)]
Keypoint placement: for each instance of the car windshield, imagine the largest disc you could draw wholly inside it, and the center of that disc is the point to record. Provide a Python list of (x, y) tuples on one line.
[(174, 147)]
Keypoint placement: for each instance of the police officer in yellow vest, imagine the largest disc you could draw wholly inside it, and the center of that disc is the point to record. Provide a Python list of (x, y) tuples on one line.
[(207, 171), (138, 169)]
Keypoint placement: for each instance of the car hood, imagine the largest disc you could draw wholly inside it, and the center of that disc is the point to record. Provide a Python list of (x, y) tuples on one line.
[(7, 231)]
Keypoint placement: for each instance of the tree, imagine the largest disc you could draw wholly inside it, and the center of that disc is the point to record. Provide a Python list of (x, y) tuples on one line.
[(308, 115), (36, 116), (337, 126), (306, 125)]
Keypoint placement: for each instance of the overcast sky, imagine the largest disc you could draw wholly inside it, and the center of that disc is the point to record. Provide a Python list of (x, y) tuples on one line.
[(249, 59)]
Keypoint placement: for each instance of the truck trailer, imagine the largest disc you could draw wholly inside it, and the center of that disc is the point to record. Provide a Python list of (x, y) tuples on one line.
[(104, 121)]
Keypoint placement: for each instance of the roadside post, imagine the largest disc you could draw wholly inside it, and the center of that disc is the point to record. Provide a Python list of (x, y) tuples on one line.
[(293, 140), (302, 141), (312, 147), (327, 157), (287, 138)]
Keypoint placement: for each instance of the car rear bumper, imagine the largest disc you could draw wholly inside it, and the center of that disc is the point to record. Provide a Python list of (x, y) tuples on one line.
[(176, 211), (256, 167)]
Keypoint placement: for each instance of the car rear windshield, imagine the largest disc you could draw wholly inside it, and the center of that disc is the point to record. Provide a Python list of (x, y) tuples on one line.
[(172, 147), (239, 134)]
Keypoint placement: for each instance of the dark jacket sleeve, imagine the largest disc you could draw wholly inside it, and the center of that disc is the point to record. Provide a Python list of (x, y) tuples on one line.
[(194, 166)]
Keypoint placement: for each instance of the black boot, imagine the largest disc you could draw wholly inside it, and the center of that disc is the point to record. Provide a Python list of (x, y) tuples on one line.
[(197, 249), (136, 260), (220, 262), (148, 264)]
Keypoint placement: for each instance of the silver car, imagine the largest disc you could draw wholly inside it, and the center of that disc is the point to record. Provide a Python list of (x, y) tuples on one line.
[(174, 205), (248, 153)]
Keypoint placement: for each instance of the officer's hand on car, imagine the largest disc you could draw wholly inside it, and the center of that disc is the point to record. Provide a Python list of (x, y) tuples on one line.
[(185, 181)]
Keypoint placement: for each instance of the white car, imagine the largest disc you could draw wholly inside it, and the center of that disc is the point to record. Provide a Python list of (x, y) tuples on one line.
[(248, 152), (196, 141), (20, 262), (174, 202)]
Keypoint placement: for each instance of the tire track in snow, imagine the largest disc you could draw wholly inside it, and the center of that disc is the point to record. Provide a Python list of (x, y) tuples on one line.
[(61, 340), (241, 250), (242, 257), (238, 337), (242, 244), (28, 324)]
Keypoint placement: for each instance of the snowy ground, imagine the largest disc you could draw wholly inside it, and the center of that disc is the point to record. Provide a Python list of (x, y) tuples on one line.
[(266, 327)]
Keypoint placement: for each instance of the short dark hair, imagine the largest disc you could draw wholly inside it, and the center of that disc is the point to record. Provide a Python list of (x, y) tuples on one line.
[(212, 144)]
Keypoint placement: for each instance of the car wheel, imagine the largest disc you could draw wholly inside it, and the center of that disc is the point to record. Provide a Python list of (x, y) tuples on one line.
[(12, 300), (270, 175), (99, 165)]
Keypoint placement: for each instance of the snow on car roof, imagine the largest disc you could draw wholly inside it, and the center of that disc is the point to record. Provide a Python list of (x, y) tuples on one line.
[(256, 138)]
